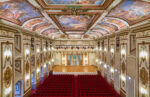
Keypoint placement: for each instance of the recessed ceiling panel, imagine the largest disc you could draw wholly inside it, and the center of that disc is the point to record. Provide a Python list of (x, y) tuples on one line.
[(17, 11), (74, 36), (132, 11), (74, 2), (75, 32), (74, 22)]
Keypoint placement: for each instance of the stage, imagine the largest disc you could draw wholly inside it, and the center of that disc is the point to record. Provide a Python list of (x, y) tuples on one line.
[(76, 70)]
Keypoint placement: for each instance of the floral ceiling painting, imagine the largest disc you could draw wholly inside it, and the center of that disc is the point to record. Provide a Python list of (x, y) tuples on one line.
[(74, 22), (75, 2), (132, 11), (17, 11)]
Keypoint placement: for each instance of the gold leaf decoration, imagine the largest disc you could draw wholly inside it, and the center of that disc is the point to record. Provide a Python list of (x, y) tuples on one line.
[(144, 76), (7, 77), (123, 67), (27, 67)]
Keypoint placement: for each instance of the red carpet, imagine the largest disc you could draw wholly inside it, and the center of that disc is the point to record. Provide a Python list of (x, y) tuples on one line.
[(75, 86)]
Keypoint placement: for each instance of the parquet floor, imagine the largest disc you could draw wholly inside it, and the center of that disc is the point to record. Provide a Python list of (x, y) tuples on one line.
[(74, 68)]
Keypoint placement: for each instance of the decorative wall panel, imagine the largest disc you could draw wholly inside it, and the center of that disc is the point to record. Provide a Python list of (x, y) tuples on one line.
[(123, 67), (7, 69), (18, 65), (144, 82), (27, 75)]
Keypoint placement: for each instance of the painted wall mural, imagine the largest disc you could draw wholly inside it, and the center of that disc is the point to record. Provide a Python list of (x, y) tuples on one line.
[(75, 2), (132, 10), (74, 22), (17, 11)]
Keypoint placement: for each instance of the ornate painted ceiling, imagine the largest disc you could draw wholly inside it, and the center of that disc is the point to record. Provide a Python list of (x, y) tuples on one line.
[(75, 19)]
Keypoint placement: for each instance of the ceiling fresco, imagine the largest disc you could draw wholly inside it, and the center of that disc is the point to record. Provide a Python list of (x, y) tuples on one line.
[(74, 22), (84, 4), (32, 23), (74, 2), (17, 11), (132, 11), (74, 36), (74, 18)]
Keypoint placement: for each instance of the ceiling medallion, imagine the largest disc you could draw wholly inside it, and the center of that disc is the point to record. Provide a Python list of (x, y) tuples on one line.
[(74, 9)]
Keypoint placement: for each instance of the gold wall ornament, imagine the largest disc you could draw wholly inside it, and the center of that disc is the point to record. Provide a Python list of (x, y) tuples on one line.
[(27, 67), (123, 67), (7, 77), (144, 76)]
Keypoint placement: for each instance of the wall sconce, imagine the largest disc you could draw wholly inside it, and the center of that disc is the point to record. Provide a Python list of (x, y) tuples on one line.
[(49, 62), (8, 90), (27, 77), (27, 52), (100, 62), (143, 55), (100, 49), (49, 49), (123, 78), (38, 50), (143, 91), (96, 48), (44, 50), (7, 54), (38, 70), (116, 70), (52, 60), (112, 70), (112, 50), (105, 49), (129, 77), (105, 66), (123, 52), (96, 60), (44, 66)]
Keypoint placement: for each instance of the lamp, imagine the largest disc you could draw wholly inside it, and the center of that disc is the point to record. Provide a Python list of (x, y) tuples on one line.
[(111, 70), (100, 49), (112, 50), (96, 60), (123, 52), (38, 70), (27, 52), (143, 55), (123, 77), (7, 54), (38, 50), (143, 90), (105, 49), (105, 66), (44, 49), (27, 77)]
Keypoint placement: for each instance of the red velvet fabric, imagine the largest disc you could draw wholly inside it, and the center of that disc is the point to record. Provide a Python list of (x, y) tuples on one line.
[(75, 86)]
